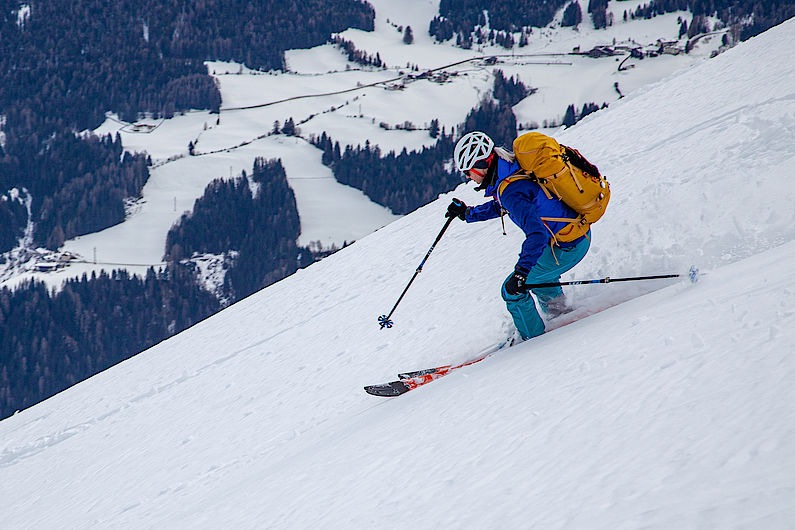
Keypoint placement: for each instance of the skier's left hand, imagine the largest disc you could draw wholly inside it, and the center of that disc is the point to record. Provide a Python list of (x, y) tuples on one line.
[(515, 284)]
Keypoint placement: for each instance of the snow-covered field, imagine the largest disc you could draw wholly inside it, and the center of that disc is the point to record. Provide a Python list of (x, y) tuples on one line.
[(674, 409), (351, 111)]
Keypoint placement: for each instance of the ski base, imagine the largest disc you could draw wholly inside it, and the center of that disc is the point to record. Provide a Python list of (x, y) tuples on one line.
[(395, 388), (398, 388)]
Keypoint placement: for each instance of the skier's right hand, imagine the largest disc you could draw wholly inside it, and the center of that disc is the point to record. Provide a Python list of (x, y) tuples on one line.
[(457, 208)]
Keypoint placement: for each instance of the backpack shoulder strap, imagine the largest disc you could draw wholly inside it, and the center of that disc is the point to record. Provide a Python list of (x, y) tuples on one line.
[(521, 175)]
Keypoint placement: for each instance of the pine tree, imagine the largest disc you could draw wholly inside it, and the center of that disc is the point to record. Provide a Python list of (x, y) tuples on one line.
[(289, 127), (434, 129), (572, 16), (408, 36), (570, 117)]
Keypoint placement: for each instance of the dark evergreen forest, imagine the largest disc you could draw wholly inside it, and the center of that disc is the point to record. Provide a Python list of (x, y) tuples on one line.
[(495, 119), (407, 180), (50, 341), (572, 116), (13, 216), (262, 228), (460, 17), (400, 181), (572, 15), (78, 185), (749, 17), (495, 116), (511, 91), (62, 67), (70, 61)]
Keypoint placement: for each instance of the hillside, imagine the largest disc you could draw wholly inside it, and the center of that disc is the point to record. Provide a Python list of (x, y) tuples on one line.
[(362, 127), (672, 409)]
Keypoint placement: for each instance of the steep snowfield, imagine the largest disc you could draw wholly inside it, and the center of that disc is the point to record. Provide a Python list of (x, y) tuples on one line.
[(671, 410)]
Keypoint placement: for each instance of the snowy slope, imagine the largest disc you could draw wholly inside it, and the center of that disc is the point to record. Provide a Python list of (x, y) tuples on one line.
[(672, 410)]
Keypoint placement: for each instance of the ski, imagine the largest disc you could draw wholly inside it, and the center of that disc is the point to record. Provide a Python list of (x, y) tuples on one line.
[(418, 373), (400, 387), (411, 380), (395, 388)]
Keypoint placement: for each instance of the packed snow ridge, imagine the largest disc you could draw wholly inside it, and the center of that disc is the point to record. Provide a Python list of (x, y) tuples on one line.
[(671, 406)]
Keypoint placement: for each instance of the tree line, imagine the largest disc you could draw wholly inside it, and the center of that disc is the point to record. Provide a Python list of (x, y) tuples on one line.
[(400, 181), (62, 67), (13, 217), (50, 341), (572, 116), (572, 15), (78, 185), (407, 180), (464, 19), (748, 18), (256, 230), (509, 91), (68, 62), (495, 119), (460, 17)]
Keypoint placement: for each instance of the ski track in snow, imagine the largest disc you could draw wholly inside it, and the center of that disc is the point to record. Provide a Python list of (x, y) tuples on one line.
[(669, 407)]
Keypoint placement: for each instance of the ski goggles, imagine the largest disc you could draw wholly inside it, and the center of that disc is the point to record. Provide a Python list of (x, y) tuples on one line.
[(480, 164)]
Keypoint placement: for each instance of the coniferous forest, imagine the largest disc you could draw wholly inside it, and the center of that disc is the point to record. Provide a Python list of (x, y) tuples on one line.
[(460, 18), (495, 116), (50, 341), (64, 64), (68, 62), (407, 180), (13, 216), (400, 181), (260, 226)]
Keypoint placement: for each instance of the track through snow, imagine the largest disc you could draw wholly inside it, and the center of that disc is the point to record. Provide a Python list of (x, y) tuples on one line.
[(671, 410)]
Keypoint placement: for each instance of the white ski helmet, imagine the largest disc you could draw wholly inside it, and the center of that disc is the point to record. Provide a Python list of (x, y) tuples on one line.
[(472, 148)]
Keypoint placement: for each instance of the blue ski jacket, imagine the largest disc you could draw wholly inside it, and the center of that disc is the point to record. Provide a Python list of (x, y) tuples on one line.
[(526, 203)]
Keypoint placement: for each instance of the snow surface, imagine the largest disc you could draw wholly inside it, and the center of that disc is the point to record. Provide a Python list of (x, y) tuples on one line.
[(344, 102), (23, 14), (673, 409)]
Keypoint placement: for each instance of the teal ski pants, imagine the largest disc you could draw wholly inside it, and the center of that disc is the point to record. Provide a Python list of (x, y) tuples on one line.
[(548, 269)]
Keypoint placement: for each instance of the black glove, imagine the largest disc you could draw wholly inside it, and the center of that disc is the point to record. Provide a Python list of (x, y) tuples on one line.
[(515, 284), (457, 208)]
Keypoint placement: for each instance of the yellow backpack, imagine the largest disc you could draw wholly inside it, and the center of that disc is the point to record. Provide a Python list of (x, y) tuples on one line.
[(546, 162)]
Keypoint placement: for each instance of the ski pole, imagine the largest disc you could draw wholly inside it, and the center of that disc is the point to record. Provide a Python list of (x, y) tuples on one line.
[(692, 274), (384, 319)]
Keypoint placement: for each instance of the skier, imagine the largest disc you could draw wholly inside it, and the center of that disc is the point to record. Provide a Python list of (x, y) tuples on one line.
[(542, 258)]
